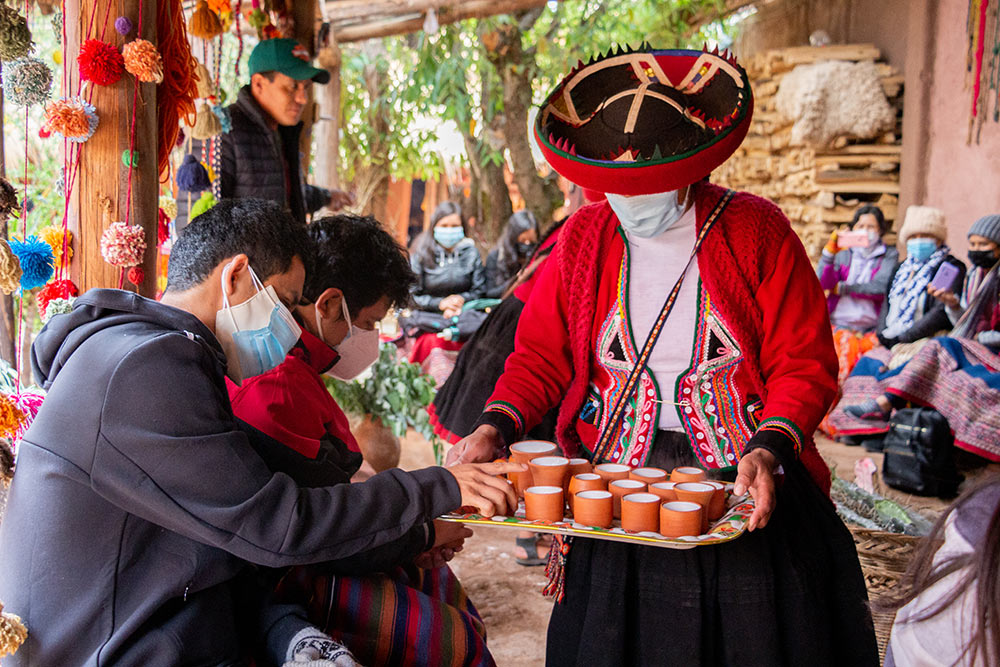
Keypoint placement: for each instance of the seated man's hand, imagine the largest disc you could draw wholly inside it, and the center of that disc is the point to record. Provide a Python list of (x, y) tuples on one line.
[(483, 488), (340, 199)]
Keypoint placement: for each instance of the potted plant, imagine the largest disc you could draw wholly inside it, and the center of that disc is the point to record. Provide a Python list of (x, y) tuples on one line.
[(390, 397)]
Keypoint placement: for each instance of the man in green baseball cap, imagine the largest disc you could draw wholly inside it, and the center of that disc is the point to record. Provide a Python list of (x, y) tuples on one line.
[(259, 157)]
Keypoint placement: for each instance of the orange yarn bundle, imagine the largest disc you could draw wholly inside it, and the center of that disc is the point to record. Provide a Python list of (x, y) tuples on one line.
[(204, 22), (175, 96), (67, 117), (143, 61)]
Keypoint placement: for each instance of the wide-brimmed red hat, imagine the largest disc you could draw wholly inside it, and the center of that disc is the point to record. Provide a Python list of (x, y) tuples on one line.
[(635, 122)]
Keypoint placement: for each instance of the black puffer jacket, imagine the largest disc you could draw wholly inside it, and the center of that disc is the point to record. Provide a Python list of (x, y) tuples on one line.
[(456, 271), (254, 159)]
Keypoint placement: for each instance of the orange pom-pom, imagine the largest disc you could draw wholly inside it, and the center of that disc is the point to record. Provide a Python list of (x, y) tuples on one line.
[(74, 118), (12, 418), (143, 61), (136, 276), (204, 22)]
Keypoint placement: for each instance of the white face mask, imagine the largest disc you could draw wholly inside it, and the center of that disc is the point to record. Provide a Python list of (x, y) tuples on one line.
[(256, 334), (357, 351), (647, 216)]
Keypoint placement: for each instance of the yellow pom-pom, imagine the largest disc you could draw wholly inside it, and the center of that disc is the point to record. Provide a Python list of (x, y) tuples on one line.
[(57, 57), (10, 269), (169, 206), (12, 633), (11, 417), (54, 236)]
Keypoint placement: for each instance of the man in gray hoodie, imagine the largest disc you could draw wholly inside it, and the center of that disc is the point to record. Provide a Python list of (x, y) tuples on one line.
[(137, 499)]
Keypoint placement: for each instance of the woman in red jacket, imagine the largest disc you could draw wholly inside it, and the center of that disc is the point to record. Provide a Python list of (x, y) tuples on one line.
[(682, 324)]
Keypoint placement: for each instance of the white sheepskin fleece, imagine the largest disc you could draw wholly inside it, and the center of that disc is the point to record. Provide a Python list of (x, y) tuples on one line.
[(833, 98)]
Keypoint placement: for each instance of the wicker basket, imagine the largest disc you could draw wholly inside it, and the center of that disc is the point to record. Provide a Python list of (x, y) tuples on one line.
[(884, 557)]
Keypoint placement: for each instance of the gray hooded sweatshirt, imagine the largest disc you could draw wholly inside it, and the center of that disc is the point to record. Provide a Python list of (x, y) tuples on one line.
[(136, 498)]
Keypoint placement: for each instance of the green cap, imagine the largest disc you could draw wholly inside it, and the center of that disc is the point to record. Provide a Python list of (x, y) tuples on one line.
[(288, 57)]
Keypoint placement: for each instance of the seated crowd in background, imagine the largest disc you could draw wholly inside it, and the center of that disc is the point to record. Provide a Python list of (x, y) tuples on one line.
[(514, 248)]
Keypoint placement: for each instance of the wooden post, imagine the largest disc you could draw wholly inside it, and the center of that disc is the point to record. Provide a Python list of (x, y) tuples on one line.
[(102, 178), (327, 157), (304, 16)]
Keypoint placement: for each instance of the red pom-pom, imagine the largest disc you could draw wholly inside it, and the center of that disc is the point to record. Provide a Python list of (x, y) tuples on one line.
[(44, 132), (136, 276), (162, 227), (57, 289), (100, 62)]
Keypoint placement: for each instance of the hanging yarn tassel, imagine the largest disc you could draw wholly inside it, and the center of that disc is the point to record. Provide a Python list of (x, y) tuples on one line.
[(57, 307), (57, 238), (10, 269), (26, 82), (73, 118), (12, 632), (136, 275), (100, 62), (35, 257), (122, 245), (205, 202), (15, 37), (206, 124), (204, 22), (143, 61), (192, 176), (123, 25), (206, 88), (57, 289)]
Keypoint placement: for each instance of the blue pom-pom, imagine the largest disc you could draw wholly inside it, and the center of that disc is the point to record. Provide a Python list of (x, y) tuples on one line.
[(35, 258), (192, 176)]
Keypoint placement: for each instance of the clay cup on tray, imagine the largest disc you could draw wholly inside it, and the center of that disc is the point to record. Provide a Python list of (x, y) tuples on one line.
[(696, 492), (687, 474), (577, 467), (641, 512), (587, 481), (549, 471), (544, 503), (717, 506), (612, 471), (649, 475), (665, 490), (523, 452), (593, 508), (623, 487), (680, 519)]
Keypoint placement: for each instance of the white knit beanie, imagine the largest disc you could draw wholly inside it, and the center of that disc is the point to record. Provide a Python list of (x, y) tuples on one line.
[(923, 220)]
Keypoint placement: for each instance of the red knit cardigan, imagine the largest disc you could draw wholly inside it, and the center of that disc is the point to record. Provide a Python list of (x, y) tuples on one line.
[(758, 275)]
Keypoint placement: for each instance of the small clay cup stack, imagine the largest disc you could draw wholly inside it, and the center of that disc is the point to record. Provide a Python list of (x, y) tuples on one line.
[(593, 508), (544, 503), (549, 471), (586, 481), (687, 474), (717, 506), (665, 490), (612, 471), (641, 512), (623, 487), (680, 519), (523, 452), (649, 475), (696, 492)]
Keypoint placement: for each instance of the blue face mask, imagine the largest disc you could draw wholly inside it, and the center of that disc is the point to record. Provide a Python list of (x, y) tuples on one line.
[(647, 216), (448, 237), (921, 249)]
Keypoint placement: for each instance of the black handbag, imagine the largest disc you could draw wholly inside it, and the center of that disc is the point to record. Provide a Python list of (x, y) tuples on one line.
[(919, 454)]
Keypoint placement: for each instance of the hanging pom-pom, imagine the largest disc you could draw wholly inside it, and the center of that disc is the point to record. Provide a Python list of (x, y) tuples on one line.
[(100, 62), (162, 227), (136, 275), (15, 37), (10, 269), (57, 239), (12, 632), (181, 138), (57, 57), (123, 25), (27, 81), (192, 176), (74, 118), (8, 199), (44, 132), (204, 22), (35, 257), (169, 206), (270, 31), (258, 19), (57, 289), (11, 418), (143, 61), (28, 402), (220, 7), (57, 307), (123, 245), (130, 158), (57, 24), (206, 124), (205, 202), (225, 121), (206, 87)]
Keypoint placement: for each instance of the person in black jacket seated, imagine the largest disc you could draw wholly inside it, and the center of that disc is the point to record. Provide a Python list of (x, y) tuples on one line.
[(449, 273), (512, 252), (259, 157)]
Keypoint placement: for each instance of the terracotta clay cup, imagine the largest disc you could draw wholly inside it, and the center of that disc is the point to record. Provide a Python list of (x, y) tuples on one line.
[(679, 519), (577, 467), (696, 492), (549, 471), (649, 475), (665, 490), (612, 471), (717, 506), (587, 481), (544, 503), (687, 474), (593, 508), (523, 452), (641, 512), (623, 487)]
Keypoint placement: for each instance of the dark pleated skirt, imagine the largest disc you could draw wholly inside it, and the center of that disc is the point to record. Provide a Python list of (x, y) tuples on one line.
[(790, 594)]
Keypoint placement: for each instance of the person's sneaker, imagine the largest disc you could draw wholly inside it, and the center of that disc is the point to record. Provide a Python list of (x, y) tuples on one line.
[(869, 410)]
